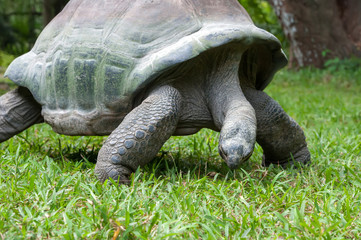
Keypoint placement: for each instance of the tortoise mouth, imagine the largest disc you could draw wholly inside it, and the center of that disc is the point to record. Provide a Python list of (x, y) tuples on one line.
[(247, 157), (234, 160)]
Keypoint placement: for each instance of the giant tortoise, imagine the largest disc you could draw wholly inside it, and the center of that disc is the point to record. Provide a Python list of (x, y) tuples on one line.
[(144, 70)]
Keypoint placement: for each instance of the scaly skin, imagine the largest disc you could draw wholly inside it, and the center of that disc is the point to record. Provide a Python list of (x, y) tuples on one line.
[(140, 136), (281, 138), (18, 111)]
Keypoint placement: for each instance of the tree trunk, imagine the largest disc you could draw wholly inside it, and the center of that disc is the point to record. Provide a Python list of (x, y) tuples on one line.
[(316, 27)]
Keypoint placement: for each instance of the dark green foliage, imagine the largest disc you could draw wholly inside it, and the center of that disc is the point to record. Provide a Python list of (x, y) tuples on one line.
[(20, 24), (264, 17), (347, 64)]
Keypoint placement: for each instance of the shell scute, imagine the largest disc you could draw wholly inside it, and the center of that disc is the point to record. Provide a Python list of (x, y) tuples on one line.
[(49, 90), (84, 76), (61, 85)]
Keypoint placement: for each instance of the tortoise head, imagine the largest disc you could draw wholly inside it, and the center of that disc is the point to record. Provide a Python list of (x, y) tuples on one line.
[(236, 143)]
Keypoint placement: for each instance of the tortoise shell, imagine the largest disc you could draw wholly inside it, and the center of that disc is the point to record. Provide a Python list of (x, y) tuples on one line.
[(93, 58)]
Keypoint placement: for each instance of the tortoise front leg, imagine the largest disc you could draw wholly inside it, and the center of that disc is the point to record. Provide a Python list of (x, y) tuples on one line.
[(18, 111), (140, 136), (281, 138)]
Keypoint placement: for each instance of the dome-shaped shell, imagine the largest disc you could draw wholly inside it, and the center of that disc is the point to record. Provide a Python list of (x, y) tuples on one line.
[(95, 55)]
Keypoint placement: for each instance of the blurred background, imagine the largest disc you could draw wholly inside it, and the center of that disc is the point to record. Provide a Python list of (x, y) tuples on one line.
[(313, 32)]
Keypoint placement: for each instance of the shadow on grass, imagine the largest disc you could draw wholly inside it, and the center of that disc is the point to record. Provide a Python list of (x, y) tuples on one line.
[(164, 165), (173, 163), (84, 154)]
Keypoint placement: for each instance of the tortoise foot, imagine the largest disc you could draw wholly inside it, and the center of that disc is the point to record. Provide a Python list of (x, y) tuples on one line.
[(120, 174)]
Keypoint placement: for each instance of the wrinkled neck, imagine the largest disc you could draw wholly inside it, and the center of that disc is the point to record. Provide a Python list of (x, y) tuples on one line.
[(226, 100), (232, 114)]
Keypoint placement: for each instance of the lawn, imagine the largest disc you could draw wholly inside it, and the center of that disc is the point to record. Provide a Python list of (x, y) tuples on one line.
[(48, 189)]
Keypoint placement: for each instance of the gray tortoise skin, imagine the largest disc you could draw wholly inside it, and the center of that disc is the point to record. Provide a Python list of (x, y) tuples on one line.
[(144, 70)]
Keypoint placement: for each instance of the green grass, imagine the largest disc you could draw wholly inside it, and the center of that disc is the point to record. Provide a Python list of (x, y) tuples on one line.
[(48, 188)]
